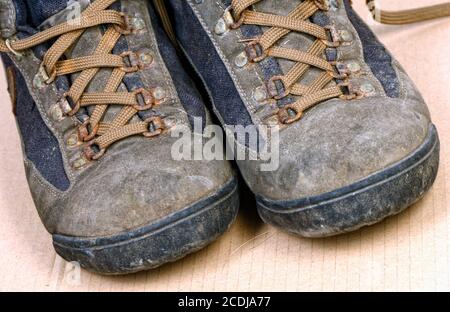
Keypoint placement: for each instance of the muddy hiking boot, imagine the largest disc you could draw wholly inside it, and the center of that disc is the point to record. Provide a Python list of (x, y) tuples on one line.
[(356, 141), (96, 97)]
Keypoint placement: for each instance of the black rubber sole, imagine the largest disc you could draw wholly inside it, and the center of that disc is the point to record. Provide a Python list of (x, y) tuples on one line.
[(364, 203), (158, 243)]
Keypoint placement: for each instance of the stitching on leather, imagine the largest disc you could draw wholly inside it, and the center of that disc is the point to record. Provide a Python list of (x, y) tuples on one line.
[(7, 27), (59, 137), (36, 175), (242, 93)]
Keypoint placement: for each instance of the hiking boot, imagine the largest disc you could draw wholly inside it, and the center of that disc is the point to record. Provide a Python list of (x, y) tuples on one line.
[(356, 142), (97, 97)]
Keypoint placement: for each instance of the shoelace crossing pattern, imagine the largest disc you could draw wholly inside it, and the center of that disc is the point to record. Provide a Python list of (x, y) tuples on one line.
[(98, 135), (329, 84)]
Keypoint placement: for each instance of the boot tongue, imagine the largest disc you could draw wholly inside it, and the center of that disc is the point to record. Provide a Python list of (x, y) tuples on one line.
[(47, 13), (40, 10)]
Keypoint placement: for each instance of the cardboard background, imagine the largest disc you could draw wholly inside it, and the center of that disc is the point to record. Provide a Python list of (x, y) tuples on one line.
[(406, 252)]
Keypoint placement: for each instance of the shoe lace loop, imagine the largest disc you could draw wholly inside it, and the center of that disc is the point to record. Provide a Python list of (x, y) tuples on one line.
[(408, 16), (97, 133)]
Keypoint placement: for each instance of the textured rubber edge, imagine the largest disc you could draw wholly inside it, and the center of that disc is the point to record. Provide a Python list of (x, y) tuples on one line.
[(158, 243), (364, 203)]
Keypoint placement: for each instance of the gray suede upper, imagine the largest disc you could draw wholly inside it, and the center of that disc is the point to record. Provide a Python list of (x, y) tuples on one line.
[(137, 182), (336, 143)]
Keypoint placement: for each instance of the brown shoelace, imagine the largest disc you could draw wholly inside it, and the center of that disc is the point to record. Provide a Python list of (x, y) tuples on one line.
[(408, 16), (327, 85), (98, 134)]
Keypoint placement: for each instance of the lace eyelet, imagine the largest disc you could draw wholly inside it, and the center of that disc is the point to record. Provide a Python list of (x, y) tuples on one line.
[(9, 43), (68, 106), (341, 73), (349, 93), (230, 19), (335, 41), (132, 62), (344, 84), (156, 126), (338, 76), (255, 52), (342, 69), (83, 131), (92, 151), (48, 79), (127, 29), (144, 99), (276, 88), (289, 114)]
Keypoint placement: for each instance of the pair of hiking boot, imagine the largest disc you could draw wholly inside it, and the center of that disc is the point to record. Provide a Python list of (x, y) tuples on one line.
[(99, 90)]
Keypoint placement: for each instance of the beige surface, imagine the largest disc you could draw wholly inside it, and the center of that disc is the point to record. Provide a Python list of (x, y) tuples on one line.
[(407, 252)]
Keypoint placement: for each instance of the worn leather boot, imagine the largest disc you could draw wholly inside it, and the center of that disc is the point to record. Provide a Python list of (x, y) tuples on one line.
[(356, 141), (97, 91)]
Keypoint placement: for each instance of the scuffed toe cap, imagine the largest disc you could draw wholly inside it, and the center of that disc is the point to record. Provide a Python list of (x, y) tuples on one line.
[(135, 184), (337, 144)]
